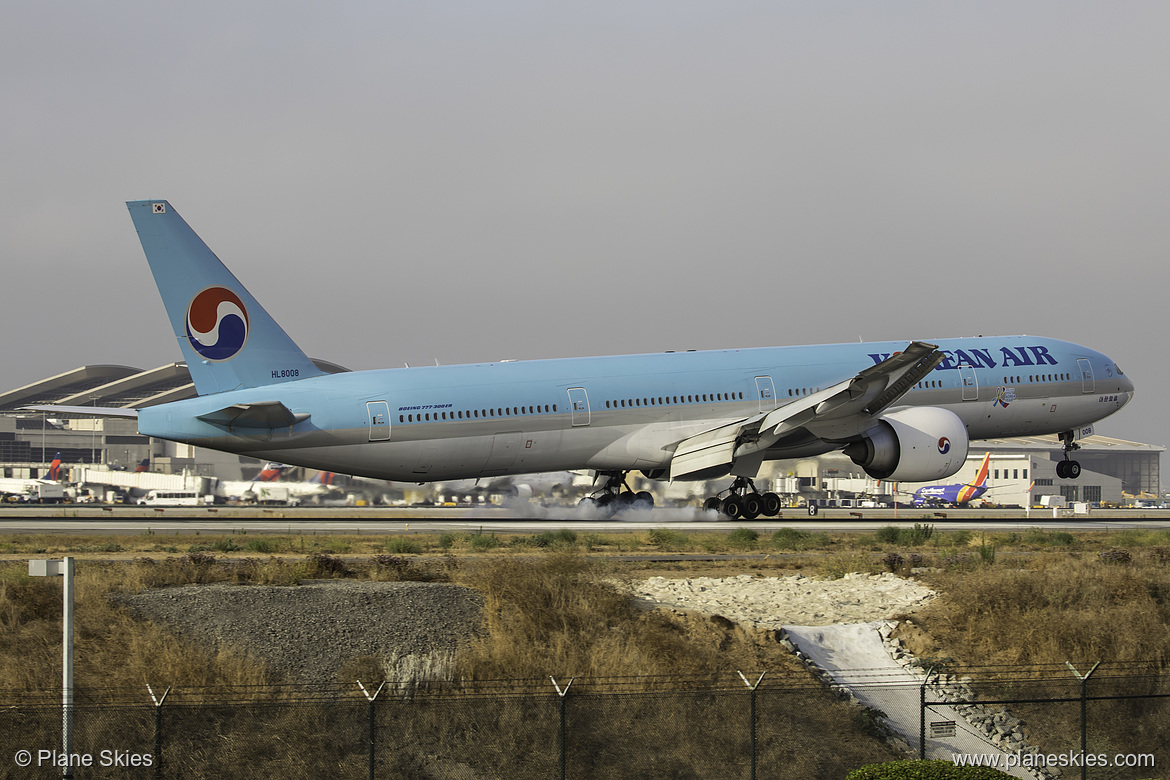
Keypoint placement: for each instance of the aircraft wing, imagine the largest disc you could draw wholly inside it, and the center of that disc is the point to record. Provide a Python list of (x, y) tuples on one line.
[(835, 413), (85, 411)]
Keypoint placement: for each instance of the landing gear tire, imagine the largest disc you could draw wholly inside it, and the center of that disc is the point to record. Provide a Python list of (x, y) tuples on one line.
[(771, 504), (712, 504), (753, 506), (643, 500), (1068, 469), (733, 507)]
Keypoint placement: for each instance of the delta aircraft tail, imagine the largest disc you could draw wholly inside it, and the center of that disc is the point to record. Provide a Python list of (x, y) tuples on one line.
[(228, 339)]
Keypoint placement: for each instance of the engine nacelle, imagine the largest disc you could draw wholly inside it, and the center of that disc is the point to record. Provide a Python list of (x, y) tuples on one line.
[(913, 445)]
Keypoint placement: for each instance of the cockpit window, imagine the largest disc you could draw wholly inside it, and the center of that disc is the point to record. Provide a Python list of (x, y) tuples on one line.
[(1119, 371)]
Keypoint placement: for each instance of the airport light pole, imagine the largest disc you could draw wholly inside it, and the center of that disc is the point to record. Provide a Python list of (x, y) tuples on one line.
[(65, 568), (93, 433)]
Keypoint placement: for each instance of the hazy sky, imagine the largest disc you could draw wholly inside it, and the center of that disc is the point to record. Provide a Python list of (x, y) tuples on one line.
[(400, 182)]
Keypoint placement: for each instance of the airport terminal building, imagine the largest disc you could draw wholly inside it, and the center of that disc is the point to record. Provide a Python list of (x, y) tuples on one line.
[(1021, 472)]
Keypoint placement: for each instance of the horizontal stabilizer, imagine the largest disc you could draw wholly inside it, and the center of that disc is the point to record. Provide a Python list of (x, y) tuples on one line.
[(85, 411), (266, 415)]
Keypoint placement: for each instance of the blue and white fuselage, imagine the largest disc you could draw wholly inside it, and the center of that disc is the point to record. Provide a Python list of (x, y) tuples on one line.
[(465, 421), (901, 410)]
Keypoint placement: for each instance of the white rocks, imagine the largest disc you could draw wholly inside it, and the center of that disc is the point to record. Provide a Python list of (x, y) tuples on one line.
[(771, 602)]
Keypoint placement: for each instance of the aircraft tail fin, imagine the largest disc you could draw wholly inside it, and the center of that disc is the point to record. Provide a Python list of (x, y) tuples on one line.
[(981, 475), (227, 338)]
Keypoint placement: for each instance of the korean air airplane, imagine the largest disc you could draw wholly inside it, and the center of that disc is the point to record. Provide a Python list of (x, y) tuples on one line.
[(902, 411)]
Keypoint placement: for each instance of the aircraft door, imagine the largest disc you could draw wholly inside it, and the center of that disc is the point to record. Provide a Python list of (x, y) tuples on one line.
[(970, 383), (379, 419), (1087, 383), (767, 391), (579, 403)]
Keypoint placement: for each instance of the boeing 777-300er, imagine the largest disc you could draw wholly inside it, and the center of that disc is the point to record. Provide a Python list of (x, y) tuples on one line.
[(902, 411)]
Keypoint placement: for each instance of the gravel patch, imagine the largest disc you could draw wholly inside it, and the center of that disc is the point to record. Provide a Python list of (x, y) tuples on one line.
[(305, 633), (772, 602)]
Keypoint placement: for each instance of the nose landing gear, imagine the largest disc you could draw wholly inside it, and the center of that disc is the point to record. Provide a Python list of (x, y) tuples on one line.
[(1068, 469)]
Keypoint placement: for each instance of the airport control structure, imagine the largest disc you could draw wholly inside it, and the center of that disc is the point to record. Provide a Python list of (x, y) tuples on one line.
[(107, 460)]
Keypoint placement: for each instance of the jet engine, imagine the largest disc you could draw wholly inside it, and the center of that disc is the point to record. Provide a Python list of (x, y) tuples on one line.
[(918, 444)]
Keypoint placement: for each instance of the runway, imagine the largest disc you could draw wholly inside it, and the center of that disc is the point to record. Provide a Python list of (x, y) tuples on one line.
[(71, 519)]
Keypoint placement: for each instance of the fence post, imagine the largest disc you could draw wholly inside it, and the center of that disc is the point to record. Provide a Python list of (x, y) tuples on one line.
[(158, 703), (922, 715), (752, 714), (563, 759), (370, 732), (1084, 712)]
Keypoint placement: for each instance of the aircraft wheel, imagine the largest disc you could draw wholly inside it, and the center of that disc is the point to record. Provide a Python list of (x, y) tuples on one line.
[(771, 504), (753, 506), (733, 507), (644, 500), (604, 500), (712, 504), (625, 500), (1072, 470)]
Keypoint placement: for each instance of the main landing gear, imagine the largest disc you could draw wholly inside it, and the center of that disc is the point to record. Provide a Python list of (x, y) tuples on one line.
[(1068, 469), (744, 501), (615, 495)]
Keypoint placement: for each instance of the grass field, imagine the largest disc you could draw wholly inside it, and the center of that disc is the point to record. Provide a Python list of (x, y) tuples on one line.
[(1022, 599)]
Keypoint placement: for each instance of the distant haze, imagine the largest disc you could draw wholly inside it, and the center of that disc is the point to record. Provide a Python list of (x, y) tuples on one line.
[(463, 181)]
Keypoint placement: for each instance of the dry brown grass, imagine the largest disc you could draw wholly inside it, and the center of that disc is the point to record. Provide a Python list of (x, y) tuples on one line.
[(112, 650), (1062, 607), (558, 614)]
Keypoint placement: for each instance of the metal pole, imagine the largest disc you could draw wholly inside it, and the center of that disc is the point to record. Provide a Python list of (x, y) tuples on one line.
[(922, 722), (752, 715), (67, 669), (1084, 713), (922, 715), (158, 703), (371, 733), (561, 741)]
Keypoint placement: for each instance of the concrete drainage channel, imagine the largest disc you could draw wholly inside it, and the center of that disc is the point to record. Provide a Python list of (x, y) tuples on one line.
[(862, 661), (852, 652)]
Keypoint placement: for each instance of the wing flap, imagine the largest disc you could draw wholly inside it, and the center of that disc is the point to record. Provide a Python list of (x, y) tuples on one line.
[(710, 449)]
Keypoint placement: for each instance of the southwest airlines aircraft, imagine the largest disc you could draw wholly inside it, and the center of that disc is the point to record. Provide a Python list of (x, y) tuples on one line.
[(901, 411), (955, 495)]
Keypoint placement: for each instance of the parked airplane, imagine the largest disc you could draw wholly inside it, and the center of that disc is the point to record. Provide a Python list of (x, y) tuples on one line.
[(270, 473), (957, 494), (902, 411)]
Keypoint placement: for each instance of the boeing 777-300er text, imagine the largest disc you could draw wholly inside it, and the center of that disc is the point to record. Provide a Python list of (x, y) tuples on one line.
[(902, 411)]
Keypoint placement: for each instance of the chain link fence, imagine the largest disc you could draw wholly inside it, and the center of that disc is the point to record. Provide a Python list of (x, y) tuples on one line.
[(644, 728)]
